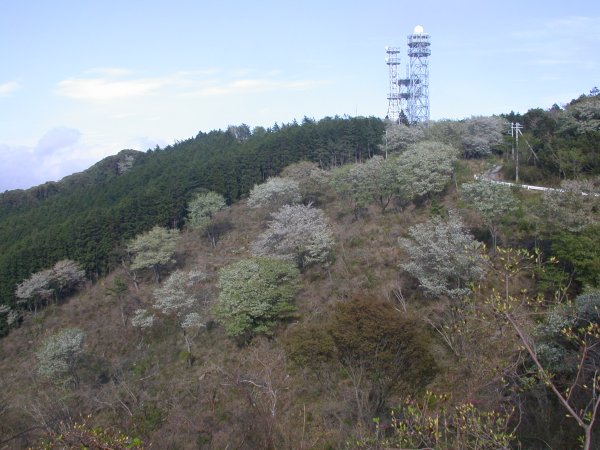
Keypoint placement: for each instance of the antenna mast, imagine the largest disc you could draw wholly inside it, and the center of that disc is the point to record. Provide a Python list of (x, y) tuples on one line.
[(412, 91), (393, 61), (418, 86)]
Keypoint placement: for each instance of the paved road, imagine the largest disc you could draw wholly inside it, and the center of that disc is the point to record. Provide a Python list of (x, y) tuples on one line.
[(492, 175)]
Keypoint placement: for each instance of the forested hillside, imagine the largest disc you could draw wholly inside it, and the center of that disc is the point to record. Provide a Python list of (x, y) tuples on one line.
[(346, 284), (86, 216)]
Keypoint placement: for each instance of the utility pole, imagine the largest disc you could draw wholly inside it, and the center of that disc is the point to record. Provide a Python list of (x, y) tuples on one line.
[(515, 130)]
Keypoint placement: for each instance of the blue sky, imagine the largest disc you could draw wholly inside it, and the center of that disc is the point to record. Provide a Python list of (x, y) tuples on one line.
[(81, 79)]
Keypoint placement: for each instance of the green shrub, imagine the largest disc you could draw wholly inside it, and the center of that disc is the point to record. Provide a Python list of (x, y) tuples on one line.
[(255, 293)]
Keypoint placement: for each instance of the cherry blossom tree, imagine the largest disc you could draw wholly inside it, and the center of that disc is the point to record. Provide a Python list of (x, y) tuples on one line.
[(443, 256), (201, 210), (274, 193), (299, 233), (153, 250)]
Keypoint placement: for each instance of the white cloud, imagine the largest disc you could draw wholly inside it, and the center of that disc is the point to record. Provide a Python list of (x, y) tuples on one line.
[(564, 62), (252, 86), (577, 27), (574, 25), (110, 71), (59, 152), (117, 84), (106, 89), (8, 88), (56, 140)]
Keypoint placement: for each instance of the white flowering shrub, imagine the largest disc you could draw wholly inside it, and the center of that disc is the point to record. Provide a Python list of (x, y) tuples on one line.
[(67, 275), (59, 353), (476, 137), (299, 233), (10, 315), (177, 298), (492, 201), (374, 180), (398, 137), (426, 168), (381, 180), (173, 296), (202, 207), (582, 116), (153, 249), (201, 210), (575, 206), (142, 319), (62, 279), (443, 256), (193, 320), (274, 193), (35, 289), (481, 134), (350, 183), (312, 180)]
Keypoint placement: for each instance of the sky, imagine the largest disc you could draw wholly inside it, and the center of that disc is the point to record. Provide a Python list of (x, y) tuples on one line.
[(82, 79)]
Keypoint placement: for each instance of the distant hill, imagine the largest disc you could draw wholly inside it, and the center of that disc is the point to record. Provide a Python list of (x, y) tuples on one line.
[(109, 167), (86, 216)]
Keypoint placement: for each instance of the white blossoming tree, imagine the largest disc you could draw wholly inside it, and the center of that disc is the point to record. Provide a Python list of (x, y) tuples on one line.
[(8, 317), (398, 137), (297, 232), (481, 134), (381, 180), (274, 193), (59, 354), (492, 201), (375, 180), (443, 257), (476, 137), (153, 250), (426, 169), (67, 275), (35, 290), (177, 298), (575, 206), (54, 283), (201, 210), (312, 180), (142, 318)]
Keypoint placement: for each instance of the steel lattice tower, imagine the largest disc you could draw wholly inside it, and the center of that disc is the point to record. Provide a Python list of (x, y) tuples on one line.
[(417, 108), (393, 62), (411, 92)]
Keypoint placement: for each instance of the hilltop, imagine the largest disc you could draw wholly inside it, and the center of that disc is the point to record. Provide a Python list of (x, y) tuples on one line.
[(379, 294)]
